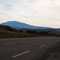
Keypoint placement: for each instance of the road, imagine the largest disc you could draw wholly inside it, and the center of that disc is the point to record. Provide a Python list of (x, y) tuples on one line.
[(25, 48)]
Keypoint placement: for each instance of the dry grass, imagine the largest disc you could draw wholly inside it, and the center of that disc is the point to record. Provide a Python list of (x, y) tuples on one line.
[(11, 34)]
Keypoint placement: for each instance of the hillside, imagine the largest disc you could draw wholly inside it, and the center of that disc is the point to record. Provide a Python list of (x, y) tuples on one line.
[(4, 27), (19, 25), (9, 32)]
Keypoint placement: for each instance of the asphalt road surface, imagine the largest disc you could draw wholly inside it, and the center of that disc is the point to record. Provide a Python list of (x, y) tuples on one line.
[(25, 48)]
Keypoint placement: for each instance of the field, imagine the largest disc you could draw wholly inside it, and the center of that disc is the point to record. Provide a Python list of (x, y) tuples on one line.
[(15, 34), (9, 34)]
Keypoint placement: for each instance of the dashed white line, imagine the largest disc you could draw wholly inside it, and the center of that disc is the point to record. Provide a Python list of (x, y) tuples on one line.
[(10, 43), (42, 46), (20, 54)]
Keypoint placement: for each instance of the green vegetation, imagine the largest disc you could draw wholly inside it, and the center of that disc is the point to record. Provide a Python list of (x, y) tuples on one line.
[(32, 32), (46, 33)]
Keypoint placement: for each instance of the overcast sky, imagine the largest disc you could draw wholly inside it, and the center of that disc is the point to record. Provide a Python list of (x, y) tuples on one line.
[(34, 12)]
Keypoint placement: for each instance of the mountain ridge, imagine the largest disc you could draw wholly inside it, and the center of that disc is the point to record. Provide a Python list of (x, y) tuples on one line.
[(19, 25)]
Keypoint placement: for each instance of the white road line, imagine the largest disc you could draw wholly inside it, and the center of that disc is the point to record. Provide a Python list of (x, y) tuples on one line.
[(10, 43), (20, 54), (42, 46)]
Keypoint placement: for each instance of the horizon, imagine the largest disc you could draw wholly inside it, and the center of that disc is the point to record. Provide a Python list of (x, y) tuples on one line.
[(42, 27), (44, 13)]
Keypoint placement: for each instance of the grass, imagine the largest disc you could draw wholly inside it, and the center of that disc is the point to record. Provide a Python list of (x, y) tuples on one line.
[(20, 35), (16, 35), (11, 34)]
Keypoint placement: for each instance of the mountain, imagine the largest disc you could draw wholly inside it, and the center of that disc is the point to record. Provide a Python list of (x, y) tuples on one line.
[(3, 27), (22, 27), (6, 28), (19, 25)]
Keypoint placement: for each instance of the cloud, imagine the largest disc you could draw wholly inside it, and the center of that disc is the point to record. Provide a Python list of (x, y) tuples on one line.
[(34, 12)]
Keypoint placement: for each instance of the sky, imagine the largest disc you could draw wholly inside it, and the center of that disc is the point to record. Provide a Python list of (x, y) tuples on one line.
[(34, 12)]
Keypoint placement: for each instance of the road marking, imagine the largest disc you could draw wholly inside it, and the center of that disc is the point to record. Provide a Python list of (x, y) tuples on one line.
[(10, 43), (20, 54), (42, 46)]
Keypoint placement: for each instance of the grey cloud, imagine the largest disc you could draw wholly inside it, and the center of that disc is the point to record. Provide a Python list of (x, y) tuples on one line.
[(38, 10)]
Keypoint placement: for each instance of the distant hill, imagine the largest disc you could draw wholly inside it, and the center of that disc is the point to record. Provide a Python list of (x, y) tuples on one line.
[(22, 27), (19, 25), (9, 32), (6, 28)]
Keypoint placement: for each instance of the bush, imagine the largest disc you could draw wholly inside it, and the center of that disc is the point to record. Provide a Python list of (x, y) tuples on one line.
[(44, 32), (31, 31)]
